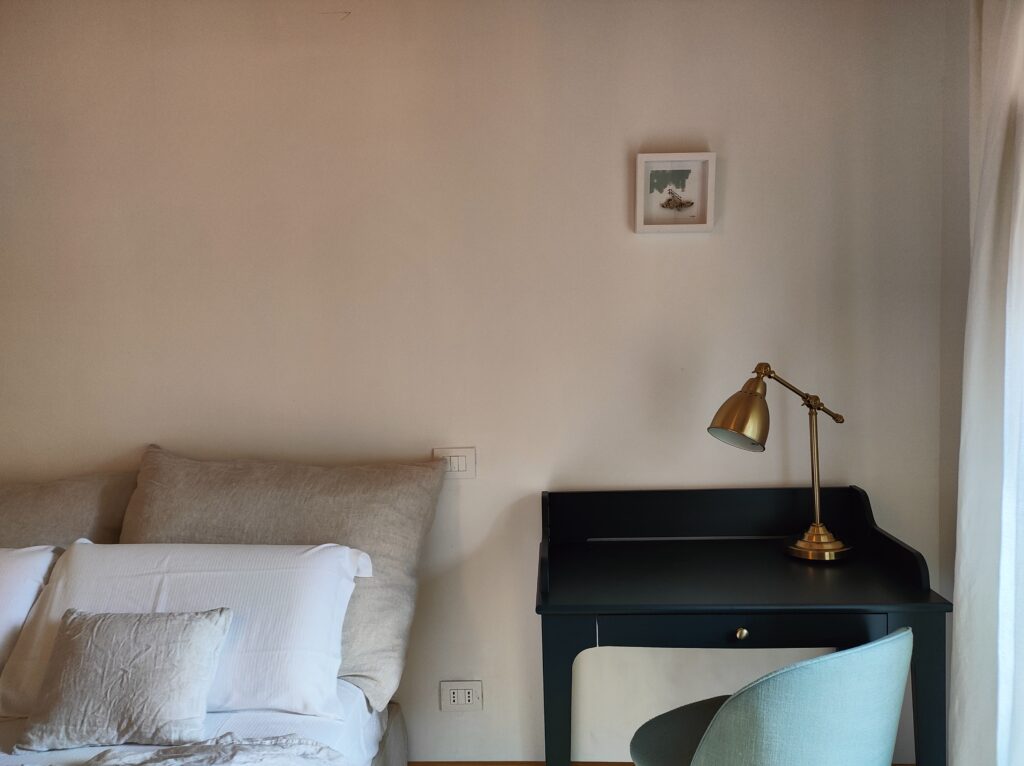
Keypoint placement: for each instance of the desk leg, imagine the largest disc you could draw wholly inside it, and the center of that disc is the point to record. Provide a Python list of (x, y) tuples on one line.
[(563, 638), (928, 683)]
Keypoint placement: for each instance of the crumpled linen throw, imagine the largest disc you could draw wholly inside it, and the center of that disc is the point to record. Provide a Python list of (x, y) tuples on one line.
[(228, 749)]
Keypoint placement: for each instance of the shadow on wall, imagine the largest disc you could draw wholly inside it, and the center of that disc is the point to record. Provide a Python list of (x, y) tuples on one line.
[(469, 623)]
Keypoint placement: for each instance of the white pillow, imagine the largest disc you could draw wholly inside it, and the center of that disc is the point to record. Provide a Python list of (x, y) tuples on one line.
[(287, 601), (22, 574)]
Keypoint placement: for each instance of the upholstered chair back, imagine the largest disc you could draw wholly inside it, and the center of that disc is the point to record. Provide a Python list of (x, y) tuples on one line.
[(841, 709)]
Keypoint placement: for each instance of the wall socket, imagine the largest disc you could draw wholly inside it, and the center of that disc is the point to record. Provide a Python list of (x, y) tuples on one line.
[(462, 696)]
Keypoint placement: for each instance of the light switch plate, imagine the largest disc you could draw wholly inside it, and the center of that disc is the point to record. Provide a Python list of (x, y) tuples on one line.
[(461, 461)]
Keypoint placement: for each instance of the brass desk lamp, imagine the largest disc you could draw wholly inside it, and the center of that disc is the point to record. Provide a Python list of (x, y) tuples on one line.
[(743, 422)]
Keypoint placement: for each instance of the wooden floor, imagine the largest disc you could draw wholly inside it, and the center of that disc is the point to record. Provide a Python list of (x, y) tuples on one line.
[(537, 763)]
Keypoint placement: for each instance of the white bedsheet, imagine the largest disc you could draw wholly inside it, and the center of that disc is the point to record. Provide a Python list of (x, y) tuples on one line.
[(356, 736)]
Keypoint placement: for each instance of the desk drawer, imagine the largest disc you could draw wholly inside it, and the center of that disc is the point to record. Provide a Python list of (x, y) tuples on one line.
[(763, 630)]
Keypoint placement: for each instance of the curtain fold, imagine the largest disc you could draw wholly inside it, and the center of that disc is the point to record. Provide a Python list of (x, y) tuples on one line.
[(987, 701)]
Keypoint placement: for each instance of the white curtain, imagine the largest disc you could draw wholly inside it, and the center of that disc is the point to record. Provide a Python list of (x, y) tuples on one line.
[(987, 692)]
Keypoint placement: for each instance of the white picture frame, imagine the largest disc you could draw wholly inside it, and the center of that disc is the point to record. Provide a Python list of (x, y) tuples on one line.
[(675, 193)]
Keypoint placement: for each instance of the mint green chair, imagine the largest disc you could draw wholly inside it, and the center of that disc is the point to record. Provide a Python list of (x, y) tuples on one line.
[(841, 709)]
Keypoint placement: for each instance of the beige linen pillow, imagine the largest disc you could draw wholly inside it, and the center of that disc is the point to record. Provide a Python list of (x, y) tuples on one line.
[(384, 510), (118, 678), (60, 512)]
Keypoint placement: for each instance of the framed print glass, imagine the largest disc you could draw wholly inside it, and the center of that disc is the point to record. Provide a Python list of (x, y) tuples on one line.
[(675, 192)]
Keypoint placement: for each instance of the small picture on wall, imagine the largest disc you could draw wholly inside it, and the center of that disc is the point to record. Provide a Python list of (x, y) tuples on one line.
[(675, 192)]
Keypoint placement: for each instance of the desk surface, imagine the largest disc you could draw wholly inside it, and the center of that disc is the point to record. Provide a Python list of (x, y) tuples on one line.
[(629, 577), (718, 551)]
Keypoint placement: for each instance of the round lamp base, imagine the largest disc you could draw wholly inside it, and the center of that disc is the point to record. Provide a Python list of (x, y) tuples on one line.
[(818, 544)]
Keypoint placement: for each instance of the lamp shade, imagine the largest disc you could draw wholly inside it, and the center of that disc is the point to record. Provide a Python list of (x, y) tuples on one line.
[(742, 421)]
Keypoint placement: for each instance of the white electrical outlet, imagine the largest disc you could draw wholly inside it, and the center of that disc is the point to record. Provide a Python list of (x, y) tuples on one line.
[(462, 696), (461, 461)]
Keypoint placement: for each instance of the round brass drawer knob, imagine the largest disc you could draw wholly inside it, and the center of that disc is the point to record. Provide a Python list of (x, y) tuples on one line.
[(742, 633)]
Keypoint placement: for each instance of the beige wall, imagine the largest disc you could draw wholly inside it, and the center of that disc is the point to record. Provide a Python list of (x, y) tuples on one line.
[(271, 228)]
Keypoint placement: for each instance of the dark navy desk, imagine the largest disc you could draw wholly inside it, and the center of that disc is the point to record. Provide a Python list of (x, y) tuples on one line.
[(688, 568)]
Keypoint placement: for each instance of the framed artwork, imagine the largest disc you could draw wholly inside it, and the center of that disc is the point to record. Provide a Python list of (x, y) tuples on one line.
[(675, 192)]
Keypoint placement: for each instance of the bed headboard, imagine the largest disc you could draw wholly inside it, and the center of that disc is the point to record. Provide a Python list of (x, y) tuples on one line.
[(60, 512)]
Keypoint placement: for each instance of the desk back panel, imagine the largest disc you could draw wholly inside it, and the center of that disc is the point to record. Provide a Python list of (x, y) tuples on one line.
[(758, 512)]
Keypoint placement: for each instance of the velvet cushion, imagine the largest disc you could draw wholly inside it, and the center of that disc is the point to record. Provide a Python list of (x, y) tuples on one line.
[(384, 510), (116, 678), (60, 512)]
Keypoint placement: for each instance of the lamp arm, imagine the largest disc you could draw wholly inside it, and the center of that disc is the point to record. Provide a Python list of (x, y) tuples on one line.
[(811, 401)]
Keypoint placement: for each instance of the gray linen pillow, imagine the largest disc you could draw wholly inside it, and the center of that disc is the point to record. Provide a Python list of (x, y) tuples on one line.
[(60, 512), (119, 678), (384, 510)]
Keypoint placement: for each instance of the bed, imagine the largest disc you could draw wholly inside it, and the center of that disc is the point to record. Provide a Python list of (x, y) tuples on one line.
[(384, 510), (359, 737)]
